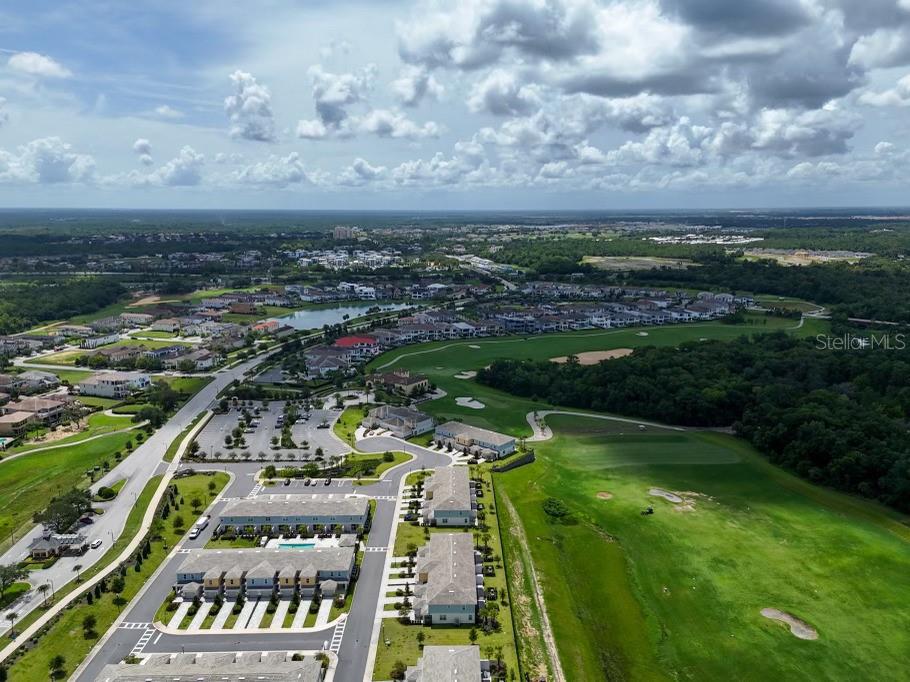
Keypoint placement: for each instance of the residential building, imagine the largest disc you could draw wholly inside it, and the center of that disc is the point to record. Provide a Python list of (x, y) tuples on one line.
[(449, 498), (263, 572), (47, 411), (361, 347), (98, 341), (403, 422), (267, 666), (474, 440), (295, 512), (38, 381), (449, 580), (402, 380), (454, 663), (114, 384), (15, 424)]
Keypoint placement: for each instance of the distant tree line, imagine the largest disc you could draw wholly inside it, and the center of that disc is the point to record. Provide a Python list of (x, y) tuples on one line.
[(25, 305), (835, 418), (875, 291)]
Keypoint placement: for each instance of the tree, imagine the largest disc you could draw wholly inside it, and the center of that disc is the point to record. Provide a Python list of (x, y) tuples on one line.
[(472, 635), (12, 616), (56, 666), (420, 638), (554, 508), (162, 395), (153, 414), (44, 588), (88, 626), (65, 510), (76, 569), (178, 522), (398, 670), (196, 503)]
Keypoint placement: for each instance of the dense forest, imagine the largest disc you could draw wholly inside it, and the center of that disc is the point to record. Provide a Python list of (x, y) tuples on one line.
[(835, 418), (25, 305), (868, 291)]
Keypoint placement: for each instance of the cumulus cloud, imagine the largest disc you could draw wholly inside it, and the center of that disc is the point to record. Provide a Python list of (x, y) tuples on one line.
[(413, 84), (276, 171), (48, 160), (143, 148), (333, 94), (250, 109), (168, 112), (360, 172), (35, 64), (388, 123), (502, 93), (183, 170), (885, 47), (898, 96)]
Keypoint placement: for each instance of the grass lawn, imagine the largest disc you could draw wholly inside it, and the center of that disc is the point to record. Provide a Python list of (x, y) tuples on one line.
[(408, 534), (336, 610), (13, 592), (73, 376), (235, 543), (186, 385), (153, 334), (440, 361), (678, 594), (398, 457), (28, 482), (95, 401), (66, 635), (348, 422)]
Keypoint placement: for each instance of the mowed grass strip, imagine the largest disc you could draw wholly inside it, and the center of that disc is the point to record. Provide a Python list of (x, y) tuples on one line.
[(66, 635), (678, 594)]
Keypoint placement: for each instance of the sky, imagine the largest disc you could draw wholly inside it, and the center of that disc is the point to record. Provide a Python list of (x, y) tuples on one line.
[(474, 104)]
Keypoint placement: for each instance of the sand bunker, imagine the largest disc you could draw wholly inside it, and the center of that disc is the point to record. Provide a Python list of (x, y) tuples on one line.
[(798, 628), (642, 334), (592, 357), (466, 401), (473, 345), (666, 494), (604, 495), (469, 374)]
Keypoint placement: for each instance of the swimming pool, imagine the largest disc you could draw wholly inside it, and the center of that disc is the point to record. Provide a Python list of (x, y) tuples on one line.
[(296, 545)]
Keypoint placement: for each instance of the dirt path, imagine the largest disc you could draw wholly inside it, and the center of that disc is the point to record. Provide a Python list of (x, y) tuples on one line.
[(546, 628)]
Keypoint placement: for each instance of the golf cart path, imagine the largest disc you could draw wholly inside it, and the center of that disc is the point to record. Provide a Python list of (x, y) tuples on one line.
[(544, 432)]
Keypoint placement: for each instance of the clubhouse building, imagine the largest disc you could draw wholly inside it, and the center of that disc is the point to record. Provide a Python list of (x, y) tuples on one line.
[(403, 422)]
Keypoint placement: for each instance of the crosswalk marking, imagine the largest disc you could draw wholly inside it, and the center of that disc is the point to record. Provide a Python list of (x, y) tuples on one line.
[(126, 625), (337, 635), (140, 645), (255, 491), (375, 549)]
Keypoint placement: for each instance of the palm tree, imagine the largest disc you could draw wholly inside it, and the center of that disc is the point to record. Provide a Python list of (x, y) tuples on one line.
[(56, 666), (11, 616), (76, 569), (44, 588)]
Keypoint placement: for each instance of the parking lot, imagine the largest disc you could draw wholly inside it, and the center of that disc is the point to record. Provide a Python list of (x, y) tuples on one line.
[(306, 434)]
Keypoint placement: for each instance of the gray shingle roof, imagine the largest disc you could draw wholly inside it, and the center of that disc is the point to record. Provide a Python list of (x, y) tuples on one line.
[(450, 488), (240, 561), (448, 561), (216, 667), (297, 505), (446, 664), (475, 432)]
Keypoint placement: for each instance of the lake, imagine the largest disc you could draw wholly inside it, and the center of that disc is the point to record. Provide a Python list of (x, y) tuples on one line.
[(316, 318)]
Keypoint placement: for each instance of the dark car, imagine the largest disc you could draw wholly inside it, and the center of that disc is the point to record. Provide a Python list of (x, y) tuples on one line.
[(306, 481), (327, 481), (287, 481)]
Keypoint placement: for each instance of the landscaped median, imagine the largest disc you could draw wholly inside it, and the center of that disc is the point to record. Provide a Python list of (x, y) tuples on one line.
[(74, 633)]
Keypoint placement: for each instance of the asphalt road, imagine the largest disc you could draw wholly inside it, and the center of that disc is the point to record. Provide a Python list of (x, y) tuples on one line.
[(144, 463), (354, 647)]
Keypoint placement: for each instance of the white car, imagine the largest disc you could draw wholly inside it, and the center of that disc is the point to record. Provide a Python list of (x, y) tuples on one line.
[(194, 533), (95, 544)]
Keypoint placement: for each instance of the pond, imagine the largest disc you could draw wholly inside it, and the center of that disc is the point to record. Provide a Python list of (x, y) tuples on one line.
[(316, 318)]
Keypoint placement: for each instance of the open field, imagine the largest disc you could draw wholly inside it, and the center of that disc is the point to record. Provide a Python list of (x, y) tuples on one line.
[(95, 424), (618, 263), (67, 636), (28, 482), (442, 360), (679, 594), (804, 256)]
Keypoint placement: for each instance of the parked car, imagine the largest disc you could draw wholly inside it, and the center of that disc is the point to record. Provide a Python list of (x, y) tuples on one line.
[(327, 481), (287, 481), (306, 481), (95, 544), (194, 533), (86, 521)]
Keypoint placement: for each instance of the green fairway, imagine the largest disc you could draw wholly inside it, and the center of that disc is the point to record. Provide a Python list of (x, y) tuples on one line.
[(96, 424), (442, 360), (678, 594), (28, 482)]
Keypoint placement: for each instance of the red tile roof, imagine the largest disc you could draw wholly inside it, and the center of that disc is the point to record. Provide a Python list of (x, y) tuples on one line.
[(351, 341)]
